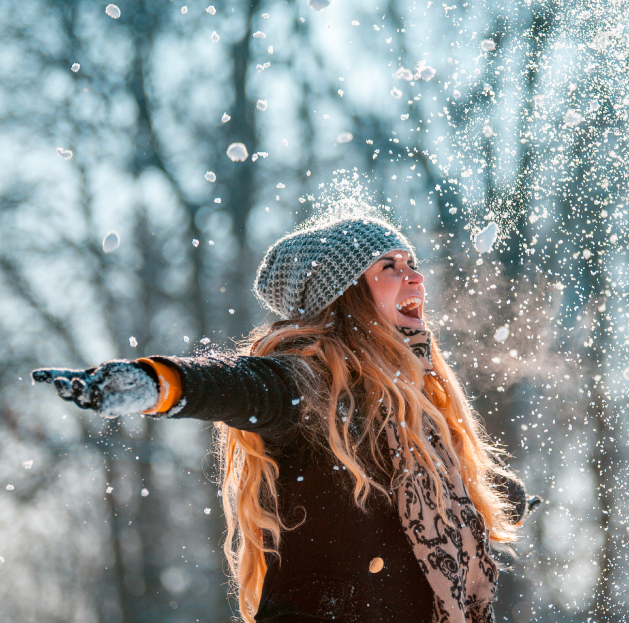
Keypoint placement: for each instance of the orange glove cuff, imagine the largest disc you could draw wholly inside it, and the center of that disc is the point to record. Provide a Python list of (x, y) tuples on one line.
[(169, 386)]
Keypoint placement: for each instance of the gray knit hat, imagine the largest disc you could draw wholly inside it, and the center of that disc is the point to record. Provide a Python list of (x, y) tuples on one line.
[(303, 272)]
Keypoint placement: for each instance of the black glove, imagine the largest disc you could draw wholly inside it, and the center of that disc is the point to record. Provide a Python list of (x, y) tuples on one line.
[(115, 388)]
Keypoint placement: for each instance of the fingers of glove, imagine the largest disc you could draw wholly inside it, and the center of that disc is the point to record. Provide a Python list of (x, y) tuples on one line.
[(48, 375), (64, 388), (81, 391)]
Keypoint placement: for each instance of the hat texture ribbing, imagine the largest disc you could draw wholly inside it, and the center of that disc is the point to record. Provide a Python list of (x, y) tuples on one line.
[(304, 272)]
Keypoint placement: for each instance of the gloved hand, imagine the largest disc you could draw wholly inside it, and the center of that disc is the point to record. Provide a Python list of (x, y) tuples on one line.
[(115, 388)]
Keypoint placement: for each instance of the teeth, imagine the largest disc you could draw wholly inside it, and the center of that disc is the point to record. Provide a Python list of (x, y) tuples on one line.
[(414, 301)]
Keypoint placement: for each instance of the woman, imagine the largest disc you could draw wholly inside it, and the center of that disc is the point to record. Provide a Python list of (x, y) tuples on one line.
[(358, 484)]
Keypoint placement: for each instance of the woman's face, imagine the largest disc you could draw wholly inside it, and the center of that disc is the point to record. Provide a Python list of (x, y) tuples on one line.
[(398, 289)]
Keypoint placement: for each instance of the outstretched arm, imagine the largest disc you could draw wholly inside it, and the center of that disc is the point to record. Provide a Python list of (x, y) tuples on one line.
[(257, 394)]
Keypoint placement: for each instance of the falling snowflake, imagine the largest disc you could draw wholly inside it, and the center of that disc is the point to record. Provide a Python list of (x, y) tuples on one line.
[(27, 464), (195, 242), (225, 118), (572, 118), (319, 5), (501, 334), (10, 487), (261, 105), (113, 11), (344, 137), (485, 239), (210, 176), (144, 492), (215, 36), (66, 154), (424, 71), (184, 10), (396, 93), (488, 131), (75, 67), (111, 242), (487, 45), (211, 10), (207, 511), (259, 35), (404, 74), (133, 342), (237, 152)]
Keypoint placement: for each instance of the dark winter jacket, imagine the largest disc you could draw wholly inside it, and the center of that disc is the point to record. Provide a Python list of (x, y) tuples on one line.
[(324, 572)]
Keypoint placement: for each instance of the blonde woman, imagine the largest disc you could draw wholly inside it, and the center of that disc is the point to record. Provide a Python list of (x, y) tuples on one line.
[(358, 484)]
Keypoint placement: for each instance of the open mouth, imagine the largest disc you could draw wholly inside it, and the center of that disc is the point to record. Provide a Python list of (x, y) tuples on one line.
[(411, 307)]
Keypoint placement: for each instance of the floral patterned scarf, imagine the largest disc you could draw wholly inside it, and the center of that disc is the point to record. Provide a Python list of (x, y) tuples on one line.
[(455, 559)]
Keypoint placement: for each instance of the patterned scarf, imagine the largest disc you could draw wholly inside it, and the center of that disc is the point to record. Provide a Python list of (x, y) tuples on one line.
[(455, 559)]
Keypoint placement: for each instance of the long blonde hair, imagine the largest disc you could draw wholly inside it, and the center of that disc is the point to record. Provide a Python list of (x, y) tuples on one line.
[(349, 346)]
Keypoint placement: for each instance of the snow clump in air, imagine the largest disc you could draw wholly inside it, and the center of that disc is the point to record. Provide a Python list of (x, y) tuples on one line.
[(195, 242), (259, 35), (261, 105), (215, 36), (207, 511), (424, 72), (133, 342), (572, 118), (10, 487), (319, 5), (211, 10), (225, 118), (396, 93), (625, 374), (113, 11), (66, 154), (184, 10), (144, 492), (344, 137), (205, 341), (487, 45), (210, 176), (594, 105), (27, 464), (404, 74), (501, 334), (237, 152), (485, 239), (111, 242), (488, 131), (75, 67), (600, 43)]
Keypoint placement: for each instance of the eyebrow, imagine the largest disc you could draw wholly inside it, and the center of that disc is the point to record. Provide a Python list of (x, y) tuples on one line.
[(392, 259)]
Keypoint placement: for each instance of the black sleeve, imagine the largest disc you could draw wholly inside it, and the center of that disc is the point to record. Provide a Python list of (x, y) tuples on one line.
[(256, 394)]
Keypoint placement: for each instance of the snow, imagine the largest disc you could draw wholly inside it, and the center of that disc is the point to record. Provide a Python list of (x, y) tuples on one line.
[(319, 5), (344, 137), (285, 142), (594, 105), (265, 16), (75, 67), (355, 23), (195, 242), (113, 11), (231, 311), (109, 490), (27, 464), (572, 117), (184, 10), (217, 200), (66, 154), (225, 118), (600, 42), (237, 152), (261, 105), (186, 339), (625, 374), (111, 242), (210, 176), (144, 492), (1, 560), (211, 10), (424, 71), (487, 45), (10, 487), (215, 36), (488, 131), (486, 238), (258, 34), (501, 334), (404, 74), (205, 341), (207, 511), (253, 419), (300, 478), (133, 342), (396, 93)]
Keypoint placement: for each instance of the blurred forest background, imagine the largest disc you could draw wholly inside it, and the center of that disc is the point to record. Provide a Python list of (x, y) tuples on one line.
[(461, 115)]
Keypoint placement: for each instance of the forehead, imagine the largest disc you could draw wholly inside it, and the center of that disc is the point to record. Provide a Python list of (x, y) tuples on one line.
[(399, 254)]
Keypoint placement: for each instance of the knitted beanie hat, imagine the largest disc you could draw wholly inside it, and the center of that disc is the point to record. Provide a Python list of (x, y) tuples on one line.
[(303, 272)]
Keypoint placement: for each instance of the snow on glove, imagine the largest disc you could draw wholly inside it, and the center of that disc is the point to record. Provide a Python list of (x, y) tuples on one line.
[(115, 388)]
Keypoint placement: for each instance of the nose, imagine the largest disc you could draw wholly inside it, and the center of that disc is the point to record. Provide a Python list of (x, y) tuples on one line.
[(412, 276)]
